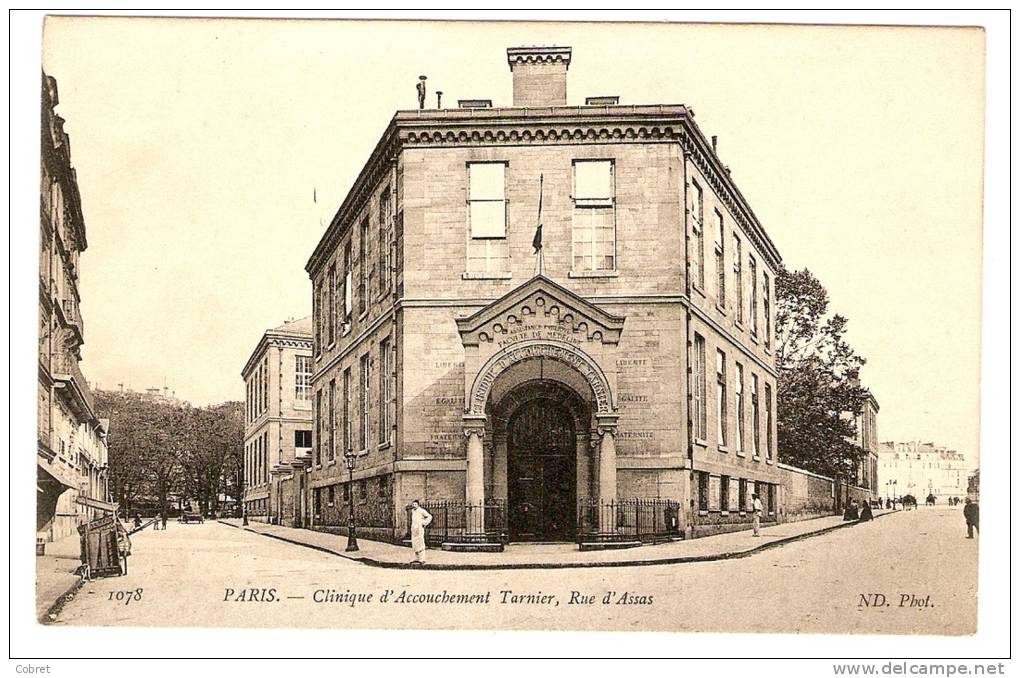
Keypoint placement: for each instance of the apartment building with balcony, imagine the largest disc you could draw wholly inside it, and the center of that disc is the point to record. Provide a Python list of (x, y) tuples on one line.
[(71, 451)]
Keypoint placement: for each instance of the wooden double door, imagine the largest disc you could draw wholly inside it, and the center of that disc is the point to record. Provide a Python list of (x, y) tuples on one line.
[(541, 472)]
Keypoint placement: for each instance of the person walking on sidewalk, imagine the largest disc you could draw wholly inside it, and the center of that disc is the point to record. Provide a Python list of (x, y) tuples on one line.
[(420, 519), (756, 507), (970, 514)]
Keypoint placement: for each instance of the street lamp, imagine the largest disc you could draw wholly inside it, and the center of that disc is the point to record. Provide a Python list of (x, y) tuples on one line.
[(352, 534)]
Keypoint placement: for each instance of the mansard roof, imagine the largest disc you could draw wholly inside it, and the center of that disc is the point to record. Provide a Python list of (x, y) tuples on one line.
[(657, 123), (540, 294)]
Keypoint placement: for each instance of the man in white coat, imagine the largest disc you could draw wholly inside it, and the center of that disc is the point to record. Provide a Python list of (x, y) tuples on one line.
[(420, 519), (757, 507)]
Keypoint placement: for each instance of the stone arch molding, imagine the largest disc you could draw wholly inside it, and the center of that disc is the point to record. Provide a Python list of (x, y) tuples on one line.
[(554, 350)]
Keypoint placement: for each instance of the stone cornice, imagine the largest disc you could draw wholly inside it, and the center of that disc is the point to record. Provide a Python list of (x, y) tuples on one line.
[(556, 125), (538, 55), (279, 340)]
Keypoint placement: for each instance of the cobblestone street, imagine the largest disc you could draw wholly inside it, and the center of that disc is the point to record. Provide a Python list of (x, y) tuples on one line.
[(216, 575)]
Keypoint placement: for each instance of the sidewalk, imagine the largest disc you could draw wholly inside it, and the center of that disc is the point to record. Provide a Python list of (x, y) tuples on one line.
[(548, 556), (55, 576)]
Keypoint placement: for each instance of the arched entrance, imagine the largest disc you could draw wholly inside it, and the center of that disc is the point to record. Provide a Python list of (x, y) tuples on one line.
[(541, 456)]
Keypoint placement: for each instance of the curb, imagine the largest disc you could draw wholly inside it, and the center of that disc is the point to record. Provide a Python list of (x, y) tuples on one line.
[(726, 555), (50, 615)]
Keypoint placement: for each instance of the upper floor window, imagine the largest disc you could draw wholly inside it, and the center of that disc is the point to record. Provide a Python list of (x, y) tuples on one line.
[(700, 413), (331, 431), (752, 267), (738, 279), (697, 266), (384, 390), (348, 291), (366, 382), (317, 316), (594, 218), (720, 378), (766, 309), (487, 246), (331, 305), (720, 259), (302, 377), (363, 283), (385, 223)]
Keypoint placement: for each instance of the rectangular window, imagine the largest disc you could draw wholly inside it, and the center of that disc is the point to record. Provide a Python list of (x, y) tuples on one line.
[(752, 269), (348, 436), (302, 441), (702, 491), (365, 385), (384, 241), (738, 279), (720, 259), (331, 432), (348, 291), (384, 391), (318, 428), (594, 216), (755, 427), (487, 246), (363, 264), (742, 494), (698, 239), (724, 493), (740, 408), (331, 318), (700, 414), (265, 384), (766, 310), (302, 377), (317, 316), (720, 378), (768, 422)]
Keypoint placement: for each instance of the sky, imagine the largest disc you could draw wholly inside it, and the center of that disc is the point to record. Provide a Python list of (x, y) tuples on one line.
[(198, 145)]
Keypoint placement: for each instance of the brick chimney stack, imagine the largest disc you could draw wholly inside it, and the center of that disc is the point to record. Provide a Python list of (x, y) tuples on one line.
[(540, 75)]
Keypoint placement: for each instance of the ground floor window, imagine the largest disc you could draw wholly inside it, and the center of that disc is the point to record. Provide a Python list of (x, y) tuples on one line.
[(702, 491)]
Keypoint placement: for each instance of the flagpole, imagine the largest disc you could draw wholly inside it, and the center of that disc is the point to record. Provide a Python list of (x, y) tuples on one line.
[(539, 250)]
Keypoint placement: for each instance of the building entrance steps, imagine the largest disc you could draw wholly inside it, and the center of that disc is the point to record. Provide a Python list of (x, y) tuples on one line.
[(558, 555)]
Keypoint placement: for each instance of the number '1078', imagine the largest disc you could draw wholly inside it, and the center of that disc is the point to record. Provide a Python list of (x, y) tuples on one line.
[(126, 596)]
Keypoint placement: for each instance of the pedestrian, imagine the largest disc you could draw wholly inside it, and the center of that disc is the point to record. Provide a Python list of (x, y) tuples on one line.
[(756, 507), (420, 519), (866, 513), (163, 519), (970, 514)]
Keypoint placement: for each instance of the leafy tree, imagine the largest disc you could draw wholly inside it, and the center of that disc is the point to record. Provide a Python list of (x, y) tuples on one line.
[(160, 448), (819, 393)]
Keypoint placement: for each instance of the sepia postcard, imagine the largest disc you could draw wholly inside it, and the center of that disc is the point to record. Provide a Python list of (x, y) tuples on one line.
[(466, 325)]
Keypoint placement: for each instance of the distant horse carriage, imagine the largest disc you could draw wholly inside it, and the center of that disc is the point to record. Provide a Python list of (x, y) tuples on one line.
[(909, 502)]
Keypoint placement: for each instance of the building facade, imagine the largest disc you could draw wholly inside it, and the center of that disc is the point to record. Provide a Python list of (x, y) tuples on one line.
[(631, 359), (867, 440), (71, 452), (920, 469), (278, 423)]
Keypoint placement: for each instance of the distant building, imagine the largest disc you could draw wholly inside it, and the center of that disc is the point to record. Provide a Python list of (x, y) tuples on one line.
[(278, 422), (71, 451), (920, 469), (974, 485), (867, 439)]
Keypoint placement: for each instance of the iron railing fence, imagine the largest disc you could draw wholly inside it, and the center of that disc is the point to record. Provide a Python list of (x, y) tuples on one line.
[(459, 521), (647, 520)]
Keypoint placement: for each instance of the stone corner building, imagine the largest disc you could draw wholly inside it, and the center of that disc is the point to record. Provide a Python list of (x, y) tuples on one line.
[(278, 424), (632, 367), (71, 452)]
